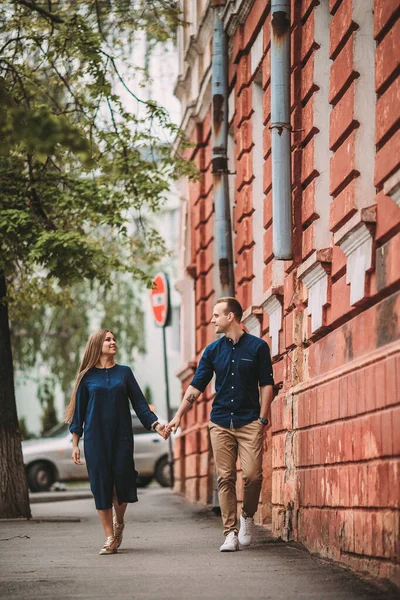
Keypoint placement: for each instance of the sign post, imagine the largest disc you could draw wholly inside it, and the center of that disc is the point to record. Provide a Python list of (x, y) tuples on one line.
[(160, 304)]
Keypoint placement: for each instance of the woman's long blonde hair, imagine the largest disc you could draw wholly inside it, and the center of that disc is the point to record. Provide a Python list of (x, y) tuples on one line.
[(91, 357)]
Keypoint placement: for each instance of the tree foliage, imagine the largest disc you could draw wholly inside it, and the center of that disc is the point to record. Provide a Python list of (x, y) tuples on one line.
[(23, 430), (56, 336), (47, 400), (79, 163)]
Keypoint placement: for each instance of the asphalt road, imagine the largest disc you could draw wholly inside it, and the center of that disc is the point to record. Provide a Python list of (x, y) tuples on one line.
[(170, 550)]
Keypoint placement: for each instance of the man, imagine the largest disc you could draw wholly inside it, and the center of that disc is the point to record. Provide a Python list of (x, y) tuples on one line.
[(244, 380)]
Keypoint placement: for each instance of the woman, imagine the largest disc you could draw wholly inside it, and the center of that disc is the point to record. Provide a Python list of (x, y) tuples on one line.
[(100, 407)]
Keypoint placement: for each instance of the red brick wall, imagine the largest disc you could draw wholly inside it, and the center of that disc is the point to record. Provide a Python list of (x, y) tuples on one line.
[(331, 462)]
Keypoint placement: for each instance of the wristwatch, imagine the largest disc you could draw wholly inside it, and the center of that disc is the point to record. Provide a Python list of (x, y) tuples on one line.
[(154, 425), (263, 421)]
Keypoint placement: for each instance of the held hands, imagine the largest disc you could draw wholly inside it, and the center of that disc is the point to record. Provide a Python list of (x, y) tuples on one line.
[(76, 455), (173, 425), (162, 431)]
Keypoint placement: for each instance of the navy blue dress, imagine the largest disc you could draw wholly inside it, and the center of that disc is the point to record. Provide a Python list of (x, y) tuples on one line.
[(102, 411)]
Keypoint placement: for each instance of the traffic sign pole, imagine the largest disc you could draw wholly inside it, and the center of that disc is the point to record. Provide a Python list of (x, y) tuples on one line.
[(169, 411), (161, 310)]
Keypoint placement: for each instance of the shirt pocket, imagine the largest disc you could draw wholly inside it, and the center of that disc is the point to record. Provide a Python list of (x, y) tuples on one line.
[(246, 366)]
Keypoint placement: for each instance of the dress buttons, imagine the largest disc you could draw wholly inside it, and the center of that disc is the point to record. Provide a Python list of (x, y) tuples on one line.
[(231, 400), (232, 413), (233, 360), (233, 387), (233, 373)]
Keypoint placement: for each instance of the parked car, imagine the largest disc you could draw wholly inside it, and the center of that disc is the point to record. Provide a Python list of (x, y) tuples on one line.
[(48, 459)]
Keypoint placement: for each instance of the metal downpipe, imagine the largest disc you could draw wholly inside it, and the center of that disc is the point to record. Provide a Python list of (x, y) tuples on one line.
[(222, 217), (281, 130)]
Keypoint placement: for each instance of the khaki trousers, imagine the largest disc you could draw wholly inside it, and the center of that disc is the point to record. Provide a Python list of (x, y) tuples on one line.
[(227, 444)]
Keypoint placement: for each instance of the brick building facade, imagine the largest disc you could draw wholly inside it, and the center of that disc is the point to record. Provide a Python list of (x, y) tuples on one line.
[(332, 315)]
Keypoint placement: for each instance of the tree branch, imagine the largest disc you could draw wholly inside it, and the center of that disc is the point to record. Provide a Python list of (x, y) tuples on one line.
[(112, 60), (42, 11), (35, 203)]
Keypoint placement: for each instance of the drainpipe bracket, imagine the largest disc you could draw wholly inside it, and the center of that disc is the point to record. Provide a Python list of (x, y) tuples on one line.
[(282, 125)]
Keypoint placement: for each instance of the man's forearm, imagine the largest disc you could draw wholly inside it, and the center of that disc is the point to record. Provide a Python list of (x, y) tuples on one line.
[(188, 400), (266, 397)]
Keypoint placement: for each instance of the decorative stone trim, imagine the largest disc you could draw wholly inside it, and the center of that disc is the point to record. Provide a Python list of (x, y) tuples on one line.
[(273, 306), (356, 240), (392, 187), (252, 317), (196, 45), (314, 273), (194, 111), (235, 14)]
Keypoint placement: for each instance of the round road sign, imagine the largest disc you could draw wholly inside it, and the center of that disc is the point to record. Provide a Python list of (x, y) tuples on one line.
[(160, 299)]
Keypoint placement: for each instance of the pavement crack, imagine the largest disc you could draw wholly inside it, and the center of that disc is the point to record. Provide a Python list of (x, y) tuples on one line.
[(14, 537)]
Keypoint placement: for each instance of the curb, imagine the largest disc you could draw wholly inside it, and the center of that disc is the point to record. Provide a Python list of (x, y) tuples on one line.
[(39, 497)]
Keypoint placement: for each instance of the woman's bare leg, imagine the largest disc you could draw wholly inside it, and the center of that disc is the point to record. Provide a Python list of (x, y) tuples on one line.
[(119, 509), (106, 521)]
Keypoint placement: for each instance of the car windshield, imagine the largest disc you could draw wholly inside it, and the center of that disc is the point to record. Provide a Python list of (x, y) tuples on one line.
[(57, 431)]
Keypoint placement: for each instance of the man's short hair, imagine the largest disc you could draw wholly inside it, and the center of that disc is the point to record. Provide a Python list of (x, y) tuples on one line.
[(233, 306)]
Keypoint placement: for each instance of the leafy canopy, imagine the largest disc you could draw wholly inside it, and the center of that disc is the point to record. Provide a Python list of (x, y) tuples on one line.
[(79, 164)]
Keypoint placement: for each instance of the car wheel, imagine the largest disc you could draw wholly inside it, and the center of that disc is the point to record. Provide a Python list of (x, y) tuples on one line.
[(162, 472), (40, 477), (142, 481)]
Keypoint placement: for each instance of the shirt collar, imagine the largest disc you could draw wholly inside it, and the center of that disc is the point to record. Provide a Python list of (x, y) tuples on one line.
[(230, 341)]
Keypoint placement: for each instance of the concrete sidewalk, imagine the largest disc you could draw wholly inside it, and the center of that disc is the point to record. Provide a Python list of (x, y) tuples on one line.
[(170, 550)]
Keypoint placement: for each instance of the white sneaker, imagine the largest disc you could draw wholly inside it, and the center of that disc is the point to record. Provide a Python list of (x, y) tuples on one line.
[(246, 531), (231, 543)]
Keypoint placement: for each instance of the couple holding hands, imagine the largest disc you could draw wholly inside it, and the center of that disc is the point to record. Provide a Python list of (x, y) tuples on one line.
[(244, 391)]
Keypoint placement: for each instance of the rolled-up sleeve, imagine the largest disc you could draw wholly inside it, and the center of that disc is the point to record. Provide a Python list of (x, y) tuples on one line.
[(204, 372), (82, 396), (139, 402), (265, 373)]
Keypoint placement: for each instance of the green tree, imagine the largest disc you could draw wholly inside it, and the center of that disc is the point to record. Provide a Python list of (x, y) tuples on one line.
[(23, 429), (77, 166), (148, 394), (56, 336), (47, 400)]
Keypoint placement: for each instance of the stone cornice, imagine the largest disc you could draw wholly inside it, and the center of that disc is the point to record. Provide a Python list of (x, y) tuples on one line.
[(235, 13), (273, 306), (252, 319), (196, 46), (314, 273), (194, 110), (356, 239)]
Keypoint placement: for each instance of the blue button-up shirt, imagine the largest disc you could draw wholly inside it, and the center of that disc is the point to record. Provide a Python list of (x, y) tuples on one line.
[(240, 369)]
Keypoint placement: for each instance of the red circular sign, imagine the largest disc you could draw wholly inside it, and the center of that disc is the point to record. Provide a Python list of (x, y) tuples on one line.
[(160, 299)]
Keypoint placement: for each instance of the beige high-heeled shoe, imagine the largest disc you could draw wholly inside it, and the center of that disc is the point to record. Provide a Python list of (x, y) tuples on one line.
[(118, 531), (110, 546)]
